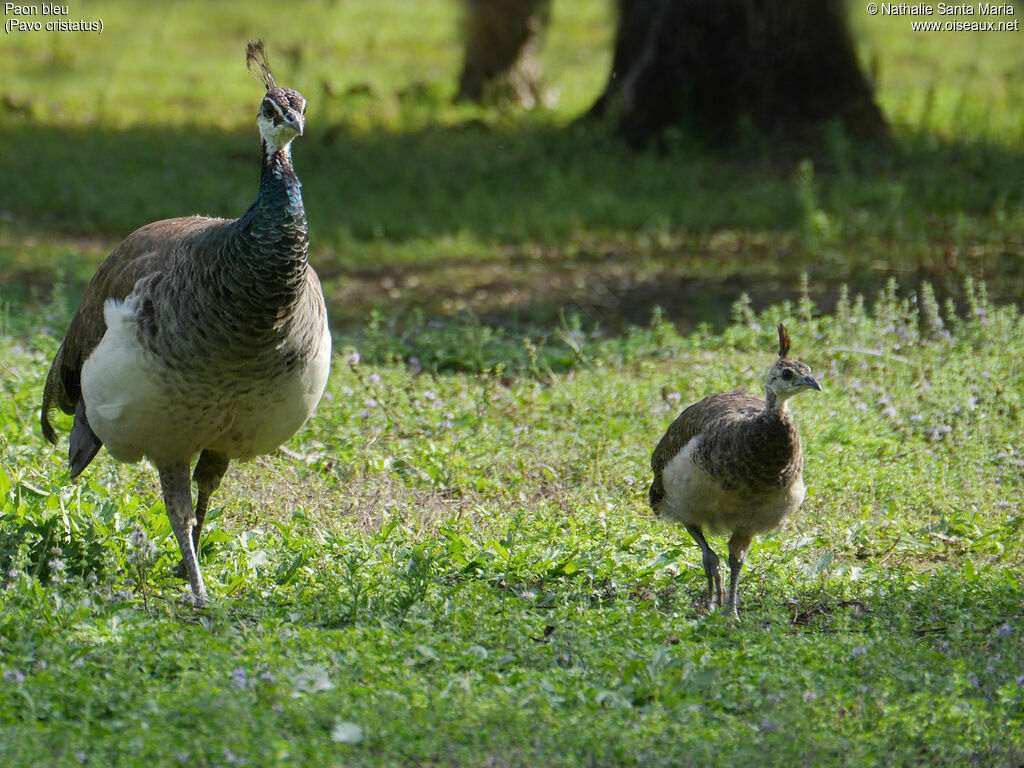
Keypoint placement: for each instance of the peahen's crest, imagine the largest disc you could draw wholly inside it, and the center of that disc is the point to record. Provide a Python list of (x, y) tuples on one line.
[(258, 63)]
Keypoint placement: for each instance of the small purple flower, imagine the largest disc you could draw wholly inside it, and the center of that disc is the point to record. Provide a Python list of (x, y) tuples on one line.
[(765, 724), (858, 650), (15, 676), (373, 378), (1020, 679), (972, 402), (268, 678), (1004, 630), (429, 395), (889, 413), (142, 547), (673, 397), (973, 680), (916, 417), (810, 696), (860, 407), (82, 757), (239, 678), (415, 366), (353, 357)]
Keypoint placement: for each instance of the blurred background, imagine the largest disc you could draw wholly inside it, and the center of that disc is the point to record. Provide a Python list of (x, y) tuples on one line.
[(477, 159)]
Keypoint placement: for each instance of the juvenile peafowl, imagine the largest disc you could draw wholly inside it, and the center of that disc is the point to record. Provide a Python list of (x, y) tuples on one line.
[(201, 337), (732, 463)]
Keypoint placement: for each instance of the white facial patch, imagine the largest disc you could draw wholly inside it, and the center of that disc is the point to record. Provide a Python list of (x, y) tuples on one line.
[(279, 136)]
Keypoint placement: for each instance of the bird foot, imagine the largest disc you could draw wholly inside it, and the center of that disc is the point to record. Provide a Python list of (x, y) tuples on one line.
[(198, 601)]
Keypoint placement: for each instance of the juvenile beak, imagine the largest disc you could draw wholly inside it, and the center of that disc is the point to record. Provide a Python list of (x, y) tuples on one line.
[(810, 383)]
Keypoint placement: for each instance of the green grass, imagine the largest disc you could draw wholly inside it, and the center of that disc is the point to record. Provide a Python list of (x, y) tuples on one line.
[(453, 562), (414, 202), (459, 568)]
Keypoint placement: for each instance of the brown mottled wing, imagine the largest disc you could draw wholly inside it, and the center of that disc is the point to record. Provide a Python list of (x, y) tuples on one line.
[(694, 420), (144, 252)]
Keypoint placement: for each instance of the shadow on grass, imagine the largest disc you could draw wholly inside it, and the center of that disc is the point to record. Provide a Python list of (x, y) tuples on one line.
[(517, 225)]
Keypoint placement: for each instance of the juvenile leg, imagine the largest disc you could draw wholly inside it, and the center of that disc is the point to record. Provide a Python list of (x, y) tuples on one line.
[(711, 570), (738, 546), (177, 488)]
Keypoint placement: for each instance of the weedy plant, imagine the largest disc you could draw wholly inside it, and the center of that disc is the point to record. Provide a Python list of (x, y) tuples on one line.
[(453, 563), (465, 566)]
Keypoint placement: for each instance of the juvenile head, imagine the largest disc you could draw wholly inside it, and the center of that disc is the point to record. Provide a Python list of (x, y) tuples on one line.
[(282, 114), (788, 377)]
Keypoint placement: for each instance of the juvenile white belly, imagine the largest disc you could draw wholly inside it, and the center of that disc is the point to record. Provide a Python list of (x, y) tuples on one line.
[(693, 497), (138, 407)]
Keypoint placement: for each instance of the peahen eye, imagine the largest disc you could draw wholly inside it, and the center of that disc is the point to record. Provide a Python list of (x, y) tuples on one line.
[(787, 374), (268, 109)]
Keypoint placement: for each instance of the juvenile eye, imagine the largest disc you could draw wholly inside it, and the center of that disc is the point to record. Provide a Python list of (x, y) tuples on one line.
[(268, 109), (787, 374)]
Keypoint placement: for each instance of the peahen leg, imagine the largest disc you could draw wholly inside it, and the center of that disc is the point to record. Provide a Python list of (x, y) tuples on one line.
[(177, 488), (208, 472)]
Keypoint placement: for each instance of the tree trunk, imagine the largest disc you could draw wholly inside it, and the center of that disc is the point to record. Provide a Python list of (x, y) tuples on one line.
[(784, 66), (502, 40)]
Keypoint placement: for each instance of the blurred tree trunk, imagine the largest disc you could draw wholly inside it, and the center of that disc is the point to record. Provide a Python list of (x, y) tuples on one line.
[(783, 66), (502, 40)]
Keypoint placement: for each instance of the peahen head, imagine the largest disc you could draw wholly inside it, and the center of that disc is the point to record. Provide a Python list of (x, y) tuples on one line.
[(282, 114), (788, 377)]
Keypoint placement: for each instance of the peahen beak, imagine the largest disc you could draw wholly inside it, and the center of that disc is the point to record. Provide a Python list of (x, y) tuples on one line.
[(295, 121)]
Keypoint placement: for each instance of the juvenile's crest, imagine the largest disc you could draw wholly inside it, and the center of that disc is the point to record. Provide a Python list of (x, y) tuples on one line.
[(257, 63), (783, 341)]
